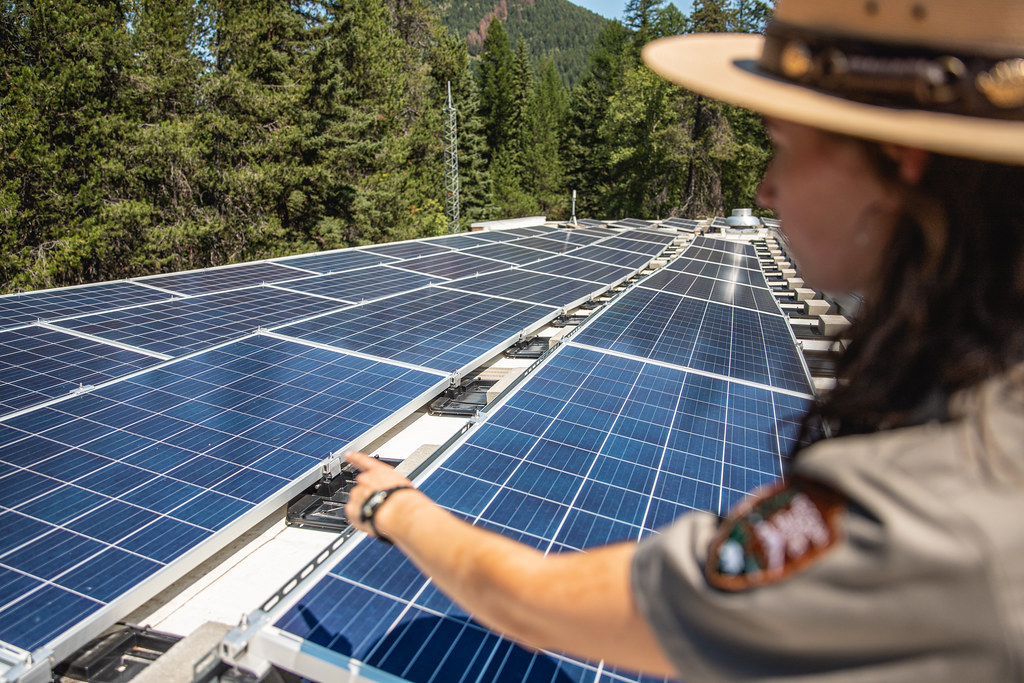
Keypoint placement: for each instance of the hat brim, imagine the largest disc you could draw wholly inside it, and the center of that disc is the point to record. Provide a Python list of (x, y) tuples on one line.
[(723, 66)]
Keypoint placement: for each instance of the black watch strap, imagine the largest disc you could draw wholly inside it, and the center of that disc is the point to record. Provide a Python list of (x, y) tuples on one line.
[(373, 503)]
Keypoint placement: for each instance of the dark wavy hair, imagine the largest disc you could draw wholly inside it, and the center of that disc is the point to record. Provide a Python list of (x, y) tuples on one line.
[(949, 312)]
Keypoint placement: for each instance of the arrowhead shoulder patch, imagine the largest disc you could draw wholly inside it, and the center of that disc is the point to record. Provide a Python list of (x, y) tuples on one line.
[(775, 533)]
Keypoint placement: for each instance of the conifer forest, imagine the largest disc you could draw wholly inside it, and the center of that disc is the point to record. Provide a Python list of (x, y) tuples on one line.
[(148, 136)]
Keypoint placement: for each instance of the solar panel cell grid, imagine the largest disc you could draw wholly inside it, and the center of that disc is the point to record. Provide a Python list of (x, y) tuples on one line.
[(637, 246), (453, 265), (581, 269), (509, 252), (593, 448), (221, 279), (185, 325), (337, 261), (618, 257), (551, 243), (24, 309), (364, 284), (99, 491), (528, 286), (37, 364), (408, 249), (438, 329)]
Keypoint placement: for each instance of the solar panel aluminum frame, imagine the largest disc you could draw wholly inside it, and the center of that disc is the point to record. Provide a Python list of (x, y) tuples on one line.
[(36, 666)]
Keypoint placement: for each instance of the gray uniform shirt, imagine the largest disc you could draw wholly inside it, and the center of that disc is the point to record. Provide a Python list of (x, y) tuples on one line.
[(922, 581)]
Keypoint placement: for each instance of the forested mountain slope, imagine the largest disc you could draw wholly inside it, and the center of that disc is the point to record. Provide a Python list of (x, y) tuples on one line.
[(554, 28)]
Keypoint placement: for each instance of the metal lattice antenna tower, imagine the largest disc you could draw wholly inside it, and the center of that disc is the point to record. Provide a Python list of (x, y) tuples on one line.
[(451, 164)]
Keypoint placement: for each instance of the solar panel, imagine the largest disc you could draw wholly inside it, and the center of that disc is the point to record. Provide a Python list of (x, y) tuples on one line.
[(616, 257), (526, 232), (453, 265), (508, 252), (575, 236), (435, 328), (630, 223), (494, 235), (38, 364), (723, 340), (553, 244), (408, 249), (687, 224), (724, 245), (720, 257), (584, 223), (581, 269), (103, 490), (722, 291), (538, 288), (461, 241), (50, 304), (718, 271), (649, 248), (184, 325), (364, 284), (649, 236), (222, 279), (593, 448), (337, 261)]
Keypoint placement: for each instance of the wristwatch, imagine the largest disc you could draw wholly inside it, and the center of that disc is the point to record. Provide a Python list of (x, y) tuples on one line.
[(373, 503)]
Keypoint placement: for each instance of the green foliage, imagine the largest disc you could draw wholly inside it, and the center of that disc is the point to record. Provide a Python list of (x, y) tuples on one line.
[(147, 136), (557, 29), (155, 135)]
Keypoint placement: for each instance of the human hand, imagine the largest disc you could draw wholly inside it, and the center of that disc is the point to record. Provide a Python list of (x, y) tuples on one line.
[(374, 476)]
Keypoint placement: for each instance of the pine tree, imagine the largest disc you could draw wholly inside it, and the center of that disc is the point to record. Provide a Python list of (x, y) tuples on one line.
[(64, 69), (496, 86), (543, 168)]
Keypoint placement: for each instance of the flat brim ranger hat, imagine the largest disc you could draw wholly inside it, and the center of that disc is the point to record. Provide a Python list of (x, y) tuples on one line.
[(942, 75)]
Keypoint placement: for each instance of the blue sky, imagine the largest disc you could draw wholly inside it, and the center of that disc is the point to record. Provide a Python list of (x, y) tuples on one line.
[(613, 8)]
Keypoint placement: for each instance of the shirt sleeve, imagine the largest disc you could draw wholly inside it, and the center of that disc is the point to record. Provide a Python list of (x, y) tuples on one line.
[(860, 612)]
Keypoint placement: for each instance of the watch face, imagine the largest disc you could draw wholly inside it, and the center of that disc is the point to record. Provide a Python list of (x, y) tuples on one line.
[(370, 505)]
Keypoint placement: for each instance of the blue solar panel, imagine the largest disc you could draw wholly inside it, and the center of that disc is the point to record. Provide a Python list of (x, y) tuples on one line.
[(38, 364), (637, 246), (509, 252), (365, 284), (531, 231), (409, 249), (539, 288), (707, 336), (617, 257), (575, 236), (722, 291), (594, 448), (27, 308), (551, 244), (337, 261), (184, 325), (453, 265), (440, 329), (722, 257), (102, 490), (222, 279), (494, 235), (741, 248), (649, 236), (462, 241), (580, 269), (754, 278)]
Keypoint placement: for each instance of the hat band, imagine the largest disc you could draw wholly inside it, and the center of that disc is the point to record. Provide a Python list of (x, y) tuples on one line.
[(896, 76)]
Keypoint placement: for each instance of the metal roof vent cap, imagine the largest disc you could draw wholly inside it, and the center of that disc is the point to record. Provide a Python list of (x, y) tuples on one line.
[(743, 219)]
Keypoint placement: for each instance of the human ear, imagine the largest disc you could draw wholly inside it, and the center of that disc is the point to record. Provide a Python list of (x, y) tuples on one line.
[(910, 161)]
